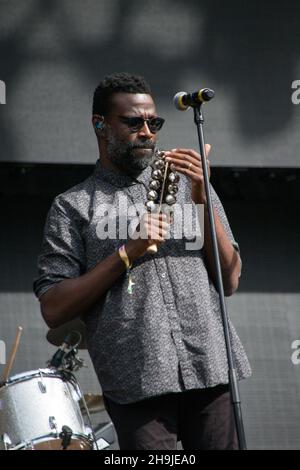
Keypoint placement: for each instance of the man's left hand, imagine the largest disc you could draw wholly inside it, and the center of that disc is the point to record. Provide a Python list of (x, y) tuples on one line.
[(188, 162)]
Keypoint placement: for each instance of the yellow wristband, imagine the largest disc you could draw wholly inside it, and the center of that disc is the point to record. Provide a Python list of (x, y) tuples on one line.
[(124, 257)]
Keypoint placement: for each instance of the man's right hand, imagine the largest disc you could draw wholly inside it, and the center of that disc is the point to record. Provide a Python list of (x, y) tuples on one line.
[(152, 229)]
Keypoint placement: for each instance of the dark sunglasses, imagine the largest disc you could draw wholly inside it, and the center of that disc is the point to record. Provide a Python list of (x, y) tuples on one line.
[(135, 123)]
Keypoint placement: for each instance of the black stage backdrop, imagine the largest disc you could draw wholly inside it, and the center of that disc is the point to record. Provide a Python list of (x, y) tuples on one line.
[(52, 55)]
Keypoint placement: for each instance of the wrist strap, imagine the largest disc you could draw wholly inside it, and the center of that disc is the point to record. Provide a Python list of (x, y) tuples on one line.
[(124, 257)]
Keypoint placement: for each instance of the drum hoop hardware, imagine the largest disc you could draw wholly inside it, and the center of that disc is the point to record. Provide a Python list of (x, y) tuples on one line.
[(41, 383), (52, 424), (6, 441)]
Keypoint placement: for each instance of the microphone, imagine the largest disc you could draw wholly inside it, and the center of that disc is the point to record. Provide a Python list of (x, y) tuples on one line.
[(57, 358), (183, 100)]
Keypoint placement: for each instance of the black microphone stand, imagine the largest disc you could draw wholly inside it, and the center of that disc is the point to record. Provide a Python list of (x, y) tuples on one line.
[(233, 381)]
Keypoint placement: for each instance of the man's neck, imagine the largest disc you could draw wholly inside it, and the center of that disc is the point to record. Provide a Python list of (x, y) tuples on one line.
[(108, 165)]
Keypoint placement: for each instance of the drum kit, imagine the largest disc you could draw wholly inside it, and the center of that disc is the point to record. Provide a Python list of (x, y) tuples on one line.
[(45, 409)]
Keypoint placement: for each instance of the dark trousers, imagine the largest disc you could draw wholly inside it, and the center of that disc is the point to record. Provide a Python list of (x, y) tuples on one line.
[(201, 419)]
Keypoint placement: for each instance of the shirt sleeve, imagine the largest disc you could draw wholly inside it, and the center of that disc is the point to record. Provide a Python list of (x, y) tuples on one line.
[(223, 218), (62, 255)]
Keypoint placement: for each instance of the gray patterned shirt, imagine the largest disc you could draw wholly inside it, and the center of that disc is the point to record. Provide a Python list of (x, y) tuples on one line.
[(165, 337)]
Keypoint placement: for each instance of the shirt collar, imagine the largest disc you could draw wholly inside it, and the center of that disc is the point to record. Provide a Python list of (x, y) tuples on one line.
[(120, 180)]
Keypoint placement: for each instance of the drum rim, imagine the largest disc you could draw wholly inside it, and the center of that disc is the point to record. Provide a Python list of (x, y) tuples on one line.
[(47, 372), (52, 437)]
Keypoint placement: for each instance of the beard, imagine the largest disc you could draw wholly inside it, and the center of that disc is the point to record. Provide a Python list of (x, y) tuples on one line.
[(125, 155)]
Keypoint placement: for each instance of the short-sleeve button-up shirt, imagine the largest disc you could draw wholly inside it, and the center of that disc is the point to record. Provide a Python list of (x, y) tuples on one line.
[(165, 337)]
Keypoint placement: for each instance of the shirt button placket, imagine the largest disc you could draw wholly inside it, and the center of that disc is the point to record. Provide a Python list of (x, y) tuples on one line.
[(174, 320)]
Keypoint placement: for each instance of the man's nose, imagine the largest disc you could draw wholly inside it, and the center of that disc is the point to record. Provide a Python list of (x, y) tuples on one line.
[(145, 131)]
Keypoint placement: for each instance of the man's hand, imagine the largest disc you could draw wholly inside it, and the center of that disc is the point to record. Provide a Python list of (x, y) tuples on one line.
[(153, 228), (188, 162)]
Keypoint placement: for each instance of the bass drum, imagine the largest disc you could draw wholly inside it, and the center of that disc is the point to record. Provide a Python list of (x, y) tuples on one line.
[(40, 410)]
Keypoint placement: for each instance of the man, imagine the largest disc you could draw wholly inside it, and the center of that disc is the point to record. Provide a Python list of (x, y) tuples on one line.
[(154, 330)]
